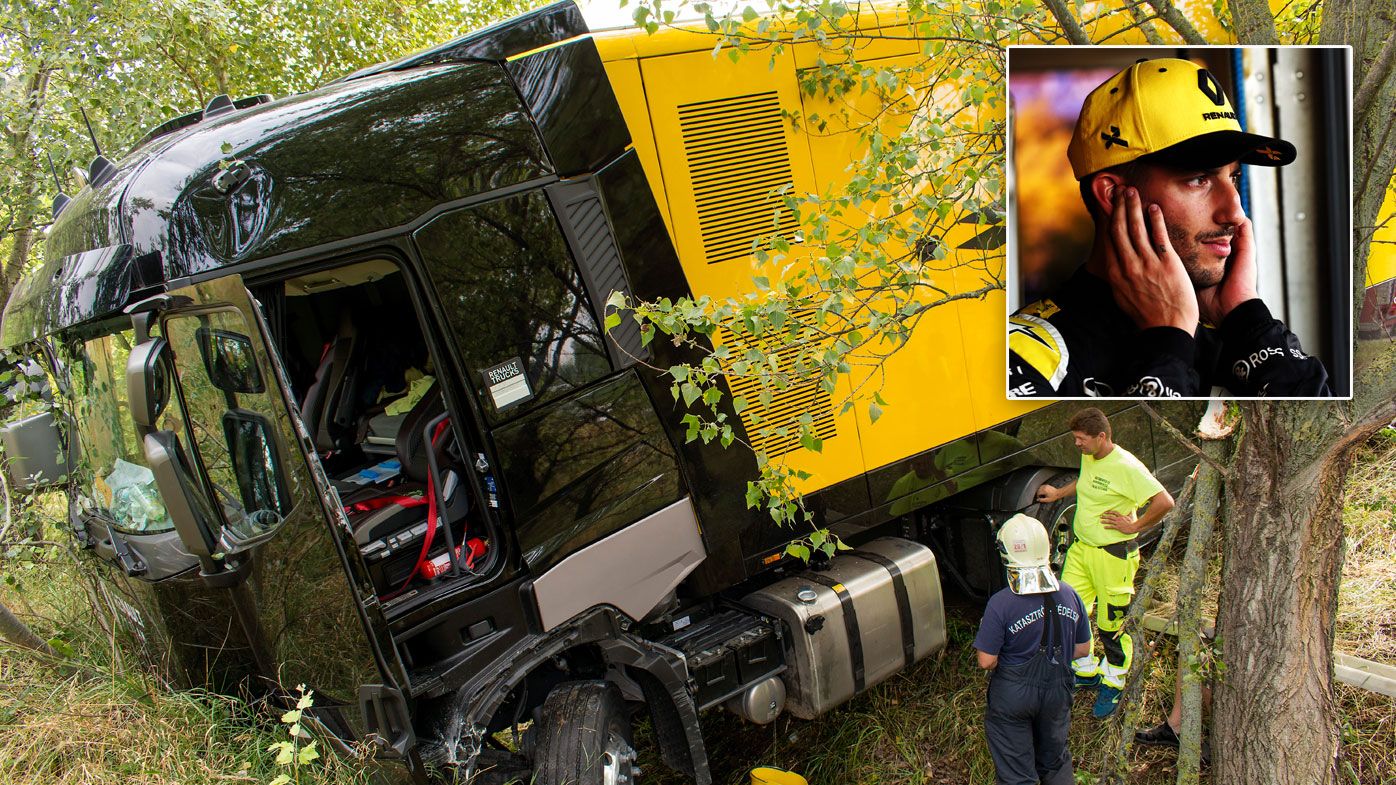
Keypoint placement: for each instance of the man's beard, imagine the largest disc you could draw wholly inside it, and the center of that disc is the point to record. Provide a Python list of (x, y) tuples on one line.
[(1189, 250)]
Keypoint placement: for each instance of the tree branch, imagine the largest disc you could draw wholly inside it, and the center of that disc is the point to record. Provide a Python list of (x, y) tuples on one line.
[(19, 634), (1175, 19), (1253, 22), (1145, 23), (1371, 83), (1118, 774), (1067, 20), (1183, 439)]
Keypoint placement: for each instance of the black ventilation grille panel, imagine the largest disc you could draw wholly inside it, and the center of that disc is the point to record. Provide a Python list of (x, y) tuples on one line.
[(588, 232), (786, 405), (737, 154)]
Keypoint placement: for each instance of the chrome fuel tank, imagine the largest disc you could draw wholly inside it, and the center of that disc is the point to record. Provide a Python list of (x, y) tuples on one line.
[(870, 613)]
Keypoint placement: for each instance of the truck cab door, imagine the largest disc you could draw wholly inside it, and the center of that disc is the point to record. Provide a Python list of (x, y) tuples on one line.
[(235, 468)]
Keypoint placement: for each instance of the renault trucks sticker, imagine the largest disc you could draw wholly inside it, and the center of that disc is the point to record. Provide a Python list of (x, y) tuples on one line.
[(507, 383)]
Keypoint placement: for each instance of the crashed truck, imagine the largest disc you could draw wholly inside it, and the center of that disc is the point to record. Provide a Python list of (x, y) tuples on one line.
[(339, 409)]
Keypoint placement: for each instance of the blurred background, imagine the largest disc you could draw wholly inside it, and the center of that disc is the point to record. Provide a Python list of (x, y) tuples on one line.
[(1301, 212)]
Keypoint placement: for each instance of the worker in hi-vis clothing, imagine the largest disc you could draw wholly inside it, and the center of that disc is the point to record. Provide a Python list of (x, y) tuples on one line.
[(1030, 632), (1104, 556)]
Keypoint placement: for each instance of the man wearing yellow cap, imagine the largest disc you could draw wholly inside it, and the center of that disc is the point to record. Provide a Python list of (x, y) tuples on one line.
[(1166, 304)]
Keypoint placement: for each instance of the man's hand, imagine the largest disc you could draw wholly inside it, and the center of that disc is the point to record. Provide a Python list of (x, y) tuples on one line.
[(1120, 522), (1146, 276), (1238, 284), (1047, 494)]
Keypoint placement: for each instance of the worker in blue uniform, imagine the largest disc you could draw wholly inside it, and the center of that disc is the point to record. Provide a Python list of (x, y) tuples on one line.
[(1031, 631)]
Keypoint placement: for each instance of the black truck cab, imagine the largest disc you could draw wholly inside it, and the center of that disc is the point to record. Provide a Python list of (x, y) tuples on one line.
[(344, 414)]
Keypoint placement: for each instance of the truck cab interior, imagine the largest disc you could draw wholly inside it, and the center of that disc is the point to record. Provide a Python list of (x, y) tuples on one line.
[(364, 381)]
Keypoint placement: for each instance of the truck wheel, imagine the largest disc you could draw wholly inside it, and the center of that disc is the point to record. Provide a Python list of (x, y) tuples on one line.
[(584, 737), (1057, 517)]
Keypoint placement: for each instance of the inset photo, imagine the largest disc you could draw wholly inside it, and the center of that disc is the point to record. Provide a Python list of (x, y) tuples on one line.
[(1179, 222)]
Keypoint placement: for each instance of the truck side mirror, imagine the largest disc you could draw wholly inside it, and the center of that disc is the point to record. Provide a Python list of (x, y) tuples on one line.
[(148, 381), (35, 451), (261, 485), (229, 360), (184, 501)]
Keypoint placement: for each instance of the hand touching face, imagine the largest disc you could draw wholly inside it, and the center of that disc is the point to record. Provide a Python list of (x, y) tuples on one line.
[(1146, 275), (1238, 283), (1203, 227)]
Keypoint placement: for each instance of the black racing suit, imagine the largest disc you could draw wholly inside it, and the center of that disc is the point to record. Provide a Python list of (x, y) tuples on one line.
[(1079, 343)]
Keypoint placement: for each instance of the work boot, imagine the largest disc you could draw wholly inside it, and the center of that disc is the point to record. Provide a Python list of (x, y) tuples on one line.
[(1086, 682), (1161, 735), (1106, 699)]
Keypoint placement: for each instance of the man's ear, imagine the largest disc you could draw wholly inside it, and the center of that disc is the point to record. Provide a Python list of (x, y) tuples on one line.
[(1104, 186)]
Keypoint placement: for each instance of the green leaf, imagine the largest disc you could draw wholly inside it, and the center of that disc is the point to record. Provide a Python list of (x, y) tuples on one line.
[(874, 411), (291, 717), (797, 550), (286, 754), (692, 424), (307, 754), (612, 321), (753, 495), (61, 646)]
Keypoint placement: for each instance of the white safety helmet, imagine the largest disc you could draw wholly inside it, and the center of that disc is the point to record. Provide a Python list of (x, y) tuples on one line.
[(1027, 553)]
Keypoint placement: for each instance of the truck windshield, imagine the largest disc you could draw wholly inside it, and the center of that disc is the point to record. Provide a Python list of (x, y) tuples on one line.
[(113, 478)]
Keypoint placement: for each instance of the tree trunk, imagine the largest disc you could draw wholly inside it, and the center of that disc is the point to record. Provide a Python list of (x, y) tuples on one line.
[(1113, 766), (18, 633), (1192, 581), (28, 210), (14, 265), (1275, 718)]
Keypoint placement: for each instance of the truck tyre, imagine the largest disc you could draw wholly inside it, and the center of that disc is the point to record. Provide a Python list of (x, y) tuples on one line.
[(1057, 517), (584, 737)]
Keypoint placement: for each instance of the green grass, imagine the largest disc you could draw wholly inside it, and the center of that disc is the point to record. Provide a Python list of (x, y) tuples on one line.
[(1366, 623), (921, 727), (115, 723), (129, 728)]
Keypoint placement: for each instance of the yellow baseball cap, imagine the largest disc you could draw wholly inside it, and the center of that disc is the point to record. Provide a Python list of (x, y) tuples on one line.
[(1173, 111)]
